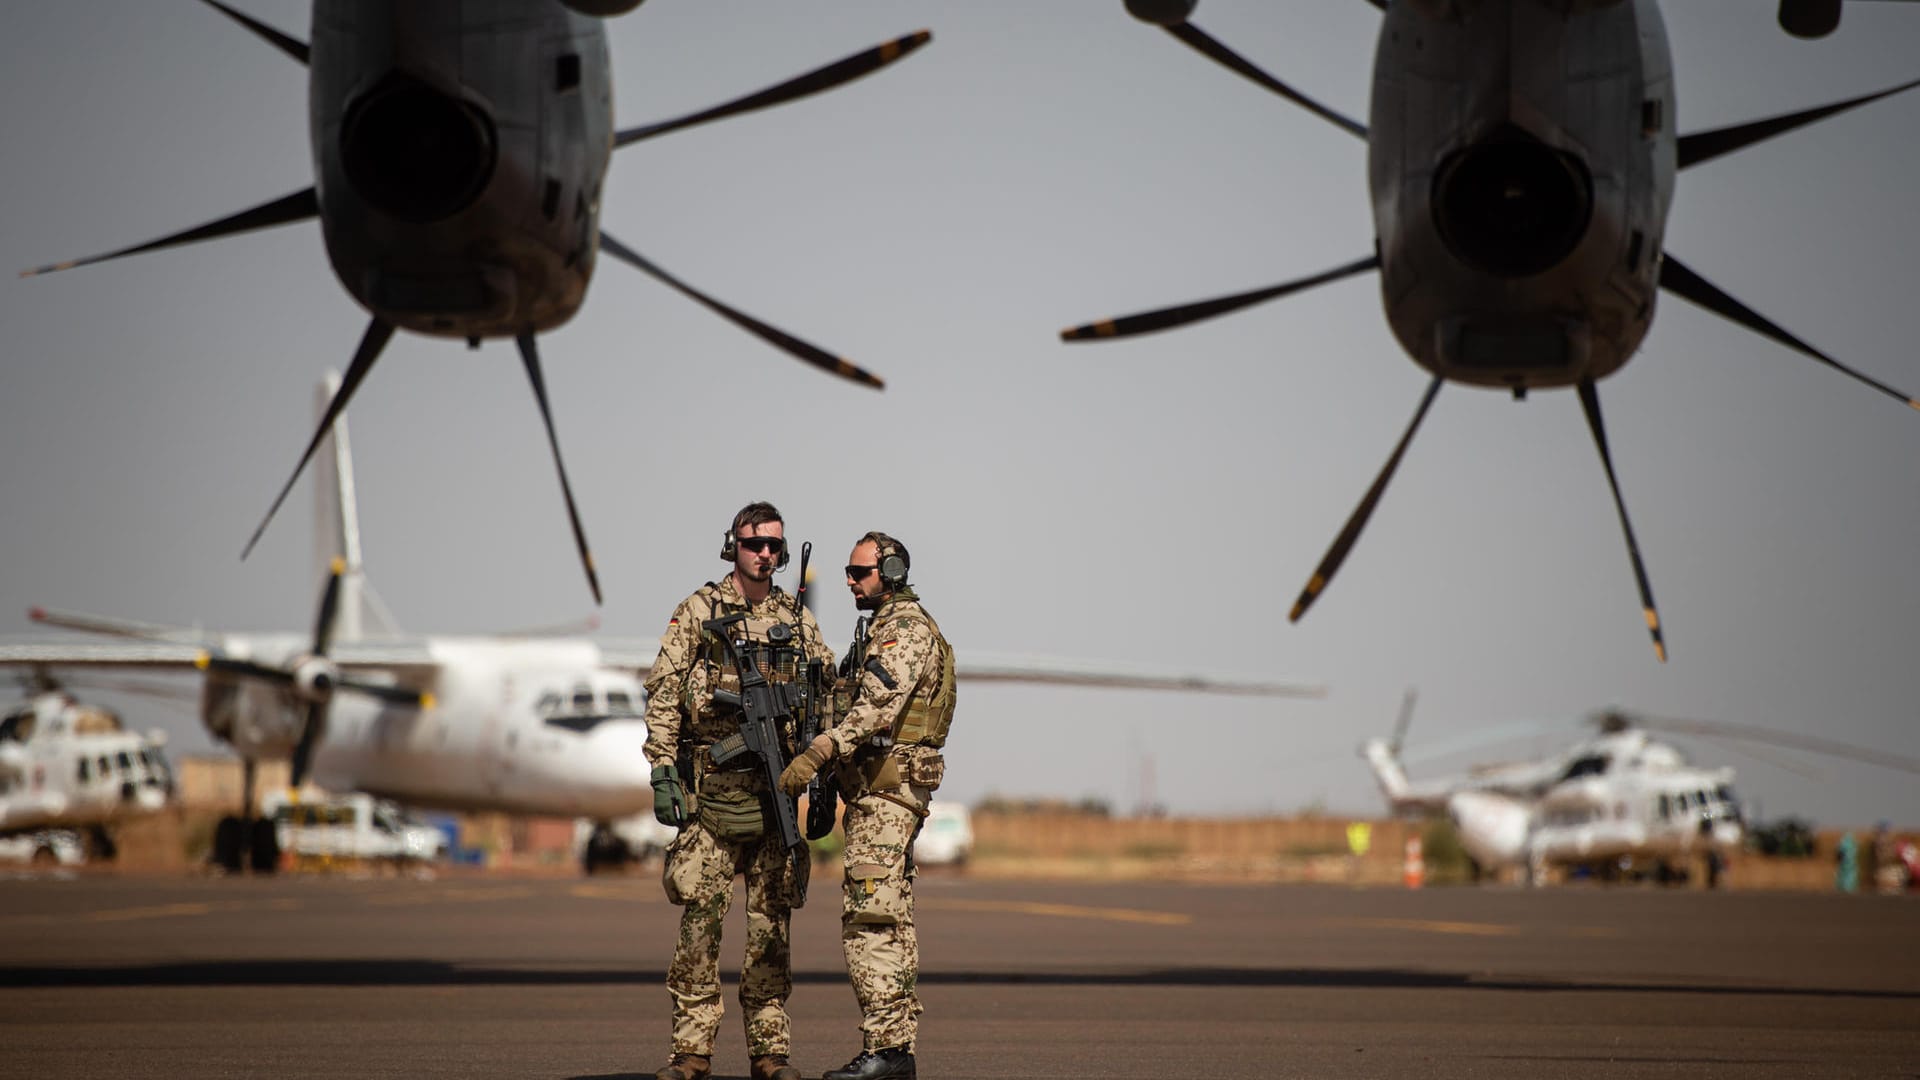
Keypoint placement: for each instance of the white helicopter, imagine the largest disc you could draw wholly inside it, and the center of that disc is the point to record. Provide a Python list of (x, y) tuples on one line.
[(66, 765), (521, 724), (1618, 802), (1521, 162)]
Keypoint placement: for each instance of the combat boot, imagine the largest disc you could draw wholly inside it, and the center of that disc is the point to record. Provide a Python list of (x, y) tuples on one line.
[(893, 1063), (686, 1067), (773, 1067)]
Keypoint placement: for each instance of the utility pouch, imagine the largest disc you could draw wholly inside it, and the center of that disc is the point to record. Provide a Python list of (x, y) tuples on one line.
[(733, 815), (874, 897), (923, 766)]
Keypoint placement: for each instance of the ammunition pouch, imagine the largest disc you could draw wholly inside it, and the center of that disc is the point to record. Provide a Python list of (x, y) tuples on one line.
[(734, 814)]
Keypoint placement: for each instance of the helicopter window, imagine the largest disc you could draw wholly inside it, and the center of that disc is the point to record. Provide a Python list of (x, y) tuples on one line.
[(1700, 800), (619, 703), (1666, 808), (1726, 794), (1651, 117), (1592, 765), (548, 704), (566, 73), (18, 727), (103, 766), (86, 771), (125, 762), (583, 698)]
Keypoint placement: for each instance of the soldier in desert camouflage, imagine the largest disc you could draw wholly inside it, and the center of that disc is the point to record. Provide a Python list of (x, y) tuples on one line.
[(726, 831), (902, 687)]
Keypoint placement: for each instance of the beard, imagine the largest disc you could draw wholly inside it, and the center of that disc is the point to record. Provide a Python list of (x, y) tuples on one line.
[(868, 603), (754, 572)]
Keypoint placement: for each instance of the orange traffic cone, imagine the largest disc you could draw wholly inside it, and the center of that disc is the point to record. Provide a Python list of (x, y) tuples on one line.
[(1414, 871)]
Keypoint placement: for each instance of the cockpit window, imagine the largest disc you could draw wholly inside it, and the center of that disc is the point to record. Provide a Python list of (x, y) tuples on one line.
[(18, 727), (619, 703), (1591, 765), (549, 703), (125, 762), (86, 771), (583, 698)]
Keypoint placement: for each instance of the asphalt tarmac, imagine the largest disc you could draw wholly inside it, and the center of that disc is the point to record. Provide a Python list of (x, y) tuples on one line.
[(117, 977)]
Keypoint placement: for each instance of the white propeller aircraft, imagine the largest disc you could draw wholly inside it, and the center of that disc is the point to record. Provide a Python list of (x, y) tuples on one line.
[(69, 765), (516, 724), (1521, 161)]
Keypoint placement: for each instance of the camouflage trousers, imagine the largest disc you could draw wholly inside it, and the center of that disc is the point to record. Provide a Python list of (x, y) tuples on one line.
[(876, 924), (699, 874)]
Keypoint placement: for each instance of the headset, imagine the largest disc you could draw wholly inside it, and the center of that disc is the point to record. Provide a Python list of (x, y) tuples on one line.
[(893, 560), (730, 550)]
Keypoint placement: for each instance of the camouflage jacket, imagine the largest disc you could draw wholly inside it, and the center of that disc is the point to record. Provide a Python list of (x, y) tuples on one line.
[(680, 686)]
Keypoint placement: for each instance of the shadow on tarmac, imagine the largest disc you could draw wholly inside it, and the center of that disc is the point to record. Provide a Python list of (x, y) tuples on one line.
[(390, 973)]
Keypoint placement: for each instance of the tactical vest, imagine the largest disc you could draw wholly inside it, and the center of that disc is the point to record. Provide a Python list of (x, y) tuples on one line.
[(929, 712), (754, 629)]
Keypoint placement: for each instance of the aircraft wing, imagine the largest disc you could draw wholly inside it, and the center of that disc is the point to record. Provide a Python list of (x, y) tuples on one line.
[(638, 656), (975, 667), (400, 658)]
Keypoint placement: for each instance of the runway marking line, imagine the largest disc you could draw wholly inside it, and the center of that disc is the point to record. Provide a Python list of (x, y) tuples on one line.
[(1066, 911), (154, 911), (613, 892), (453, 896), (1431, 926)]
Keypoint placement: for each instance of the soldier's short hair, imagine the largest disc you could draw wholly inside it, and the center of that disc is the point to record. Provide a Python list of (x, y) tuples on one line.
[(755, 513), (887, 545)]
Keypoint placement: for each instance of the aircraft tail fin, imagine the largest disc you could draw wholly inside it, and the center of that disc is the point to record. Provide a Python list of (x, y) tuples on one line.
[(1383, 759), (337, 529)]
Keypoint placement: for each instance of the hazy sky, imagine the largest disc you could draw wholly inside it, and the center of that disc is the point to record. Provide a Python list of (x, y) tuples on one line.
[(1157, 501)]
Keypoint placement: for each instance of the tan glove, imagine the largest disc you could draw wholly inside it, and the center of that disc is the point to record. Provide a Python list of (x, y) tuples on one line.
[(800, 771)]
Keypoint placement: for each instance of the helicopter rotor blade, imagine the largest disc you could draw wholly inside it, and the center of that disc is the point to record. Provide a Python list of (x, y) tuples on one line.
[(1677, 278), (1198, 39), (1590, 404), (530, 355), (835, 74), (379, 332), (1343, 543), (1400, 725), (779, 339), (1168, 318), (282, 211)]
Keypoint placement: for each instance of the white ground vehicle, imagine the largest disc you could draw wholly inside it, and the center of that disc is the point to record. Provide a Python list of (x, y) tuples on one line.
[(350, 829), (946, 837), (610, 845)]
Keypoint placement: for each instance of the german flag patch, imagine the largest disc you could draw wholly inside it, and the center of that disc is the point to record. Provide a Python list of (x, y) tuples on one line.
[(888, 644)]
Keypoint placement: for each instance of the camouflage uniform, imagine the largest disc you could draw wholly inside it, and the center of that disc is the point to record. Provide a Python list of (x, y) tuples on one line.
[(886, 799), (682, 722)]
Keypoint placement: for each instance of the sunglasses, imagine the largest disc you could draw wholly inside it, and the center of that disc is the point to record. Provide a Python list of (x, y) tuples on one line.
[(758, 544), (859, 573)]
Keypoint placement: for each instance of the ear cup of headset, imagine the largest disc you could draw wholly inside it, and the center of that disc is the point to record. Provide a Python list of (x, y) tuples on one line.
[(729, 550), (893, 571)]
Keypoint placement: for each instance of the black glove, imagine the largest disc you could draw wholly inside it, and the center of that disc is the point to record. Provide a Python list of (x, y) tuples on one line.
[(669, 798)]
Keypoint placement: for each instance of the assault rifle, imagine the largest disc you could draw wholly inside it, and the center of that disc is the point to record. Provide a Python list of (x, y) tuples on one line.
[(765, 708)]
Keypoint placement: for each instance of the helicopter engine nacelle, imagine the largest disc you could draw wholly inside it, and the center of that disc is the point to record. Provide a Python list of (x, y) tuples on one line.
[(1809, 18), (1493, 828), (1162, 12), (602, 8)]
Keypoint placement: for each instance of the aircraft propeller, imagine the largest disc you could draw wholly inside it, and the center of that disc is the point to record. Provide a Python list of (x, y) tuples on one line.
[(304, 204), (314, 679), (1674, 277)]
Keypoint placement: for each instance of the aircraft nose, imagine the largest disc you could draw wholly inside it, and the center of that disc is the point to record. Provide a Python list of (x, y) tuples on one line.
[(615, 775)]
